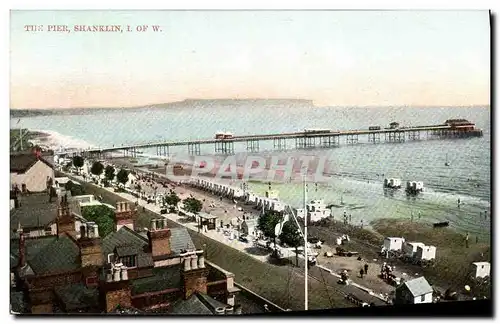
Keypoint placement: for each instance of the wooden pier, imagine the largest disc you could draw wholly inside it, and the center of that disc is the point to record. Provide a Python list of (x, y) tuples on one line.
[(453, 128)]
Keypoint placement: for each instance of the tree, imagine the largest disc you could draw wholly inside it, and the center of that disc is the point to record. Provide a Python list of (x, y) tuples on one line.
[(267, 223), (290, 235), (122, 176), (192, 205), (109, 173), (78, 162), (97, 168), (68, 185), (172, 199), (103, 216)]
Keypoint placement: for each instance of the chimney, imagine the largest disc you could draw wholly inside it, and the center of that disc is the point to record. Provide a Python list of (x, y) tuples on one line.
[(159, 239), (193, 277), (116, 290), (22, 250), (90, 246), (65, 221), (124, 216)]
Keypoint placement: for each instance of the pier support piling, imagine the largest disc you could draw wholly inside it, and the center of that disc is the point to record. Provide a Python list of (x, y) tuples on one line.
[(279, 144), (194, 149), (352, 139), (252, 146)]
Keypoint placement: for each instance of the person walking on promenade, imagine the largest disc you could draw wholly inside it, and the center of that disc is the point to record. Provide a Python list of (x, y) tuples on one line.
[(361, 273), (467, 240), (366, 268)]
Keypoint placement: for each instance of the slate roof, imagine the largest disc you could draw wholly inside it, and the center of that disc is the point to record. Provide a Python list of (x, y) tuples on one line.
[(180, 240), (17, 302), (197, 304), (127, 237), (78, 296), (35, 211), (20, 163), (62, 254), (418, 286), (33, 247), (163, 278), (127, 250)]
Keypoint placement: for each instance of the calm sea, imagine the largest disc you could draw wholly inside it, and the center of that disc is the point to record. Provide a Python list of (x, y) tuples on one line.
[(357, 171)]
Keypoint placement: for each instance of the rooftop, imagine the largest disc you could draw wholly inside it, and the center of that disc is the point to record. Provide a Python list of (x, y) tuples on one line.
[(127, 237), (35, 211), (77, 296), (22, 162), (419, 286), (162, 279), (197, 304)]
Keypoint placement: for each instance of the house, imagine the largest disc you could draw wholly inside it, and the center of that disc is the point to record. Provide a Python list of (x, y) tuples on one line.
[(416, 291), (35, 215), (131, 181), (159, 270), (30, 172), (249, 226), (481, 269)]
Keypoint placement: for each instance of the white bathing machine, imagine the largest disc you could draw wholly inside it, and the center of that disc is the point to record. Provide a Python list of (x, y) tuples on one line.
[(410, 248), (393, 243), (414, 187), (480, 269), (425, 253), (392, 183)]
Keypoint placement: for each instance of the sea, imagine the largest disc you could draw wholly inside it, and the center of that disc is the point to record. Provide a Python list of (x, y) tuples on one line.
[(356, 172)]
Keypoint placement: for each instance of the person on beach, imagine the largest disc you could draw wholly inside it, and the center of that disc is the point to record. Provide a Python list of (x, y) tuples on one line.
[(361, 223), (366, 268), (361, 273), (467, 240)]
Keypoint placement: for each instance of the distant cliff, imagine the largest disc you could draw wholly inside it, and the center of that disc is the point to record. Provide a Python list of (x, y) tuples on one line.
[(206, 103), (232, 102)]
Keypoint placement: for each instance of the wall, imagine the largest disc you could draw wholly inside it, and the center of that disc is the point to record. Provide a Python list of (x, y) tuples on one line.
[(427, 299), (35, 178)]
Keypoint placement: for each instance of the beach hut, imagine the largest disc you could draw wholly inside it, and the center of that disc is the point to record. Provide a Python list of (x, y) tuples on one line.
[(393, 243), (425, 253), (481, 269), (410, 248)]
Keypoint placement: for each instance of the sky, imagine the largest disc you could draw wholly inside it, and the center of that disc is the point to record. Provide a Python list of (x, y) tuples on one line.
[(335, 58)]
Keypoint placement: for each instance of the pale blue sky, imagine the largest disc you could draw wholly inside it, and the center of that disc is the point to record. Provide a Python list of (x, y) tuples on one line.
[(331, 57)]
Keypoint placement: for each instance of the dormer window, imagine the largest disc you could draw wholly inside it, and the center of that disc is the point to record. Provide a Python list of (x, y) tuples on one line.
[(127, 254)]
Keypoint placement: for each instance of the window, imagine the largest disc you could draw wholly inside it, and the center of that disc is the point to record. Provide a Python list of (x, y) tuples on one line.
[(91, 281), (129, 261), (422, 298)]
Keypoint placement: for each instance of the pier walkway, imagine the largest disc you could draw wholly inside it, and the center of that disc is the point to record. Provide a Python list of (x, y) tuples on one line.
[(453, 128)]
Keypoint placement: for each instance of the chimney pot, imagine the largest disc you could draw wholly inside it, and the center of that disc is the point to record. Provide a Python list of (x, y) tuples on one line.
[(124, 274), (194, 262), (229, 310), (96, 231), (187, 263), (201, 261), (116, 274), (109, 275), (158, 224), (153, 225), (82, 231)]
